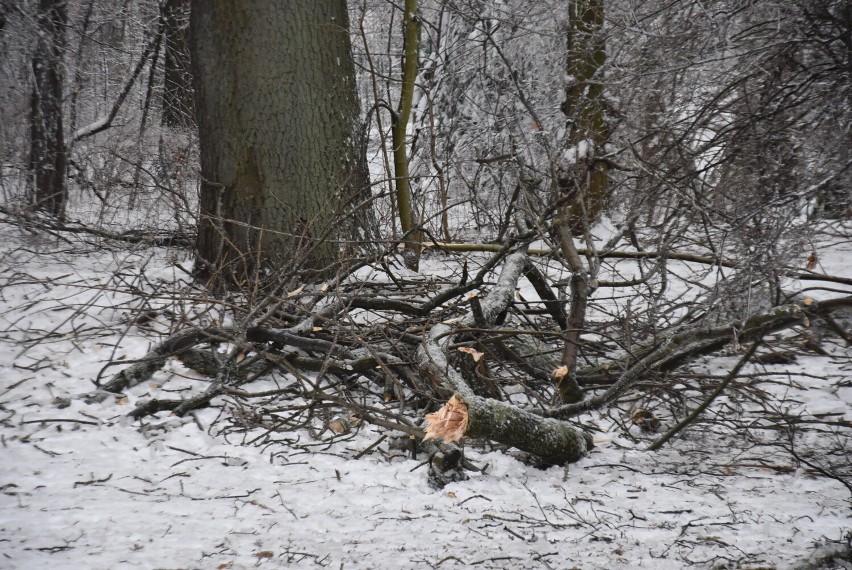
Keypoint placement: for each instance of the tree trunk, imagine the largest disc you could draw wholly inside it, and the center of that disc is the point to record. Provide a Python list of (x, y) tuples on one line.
[(47, 142), (407, 218), (282, 158), (177, 79), (584, 108)]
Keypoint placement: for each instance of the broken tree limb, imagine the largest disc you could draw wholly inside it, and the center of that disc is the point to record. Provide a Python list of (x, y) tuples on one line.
[(581, 288), (553, 441), (144, 368), (685, 345)]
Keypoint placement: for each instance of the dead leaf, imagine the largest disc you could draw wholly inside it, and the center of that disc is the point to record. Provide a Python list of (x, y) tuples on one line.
[(451, 495), (645, 419), (265, 554), (261, 505), (813, 259), (295, 292), (807, 301), (477, 356)]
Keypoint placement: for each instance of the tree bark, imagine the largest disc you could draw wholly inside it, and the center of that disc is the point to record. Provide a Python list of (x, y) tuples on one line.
[(47, 141), (407, 219), (281, 152), (177, 75), (584, 108)]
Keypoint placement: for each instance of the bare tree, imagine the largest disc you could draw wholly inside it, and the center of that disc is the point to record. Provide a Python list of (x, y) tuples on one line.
[(653, 171), (177, 75), (47, 140)]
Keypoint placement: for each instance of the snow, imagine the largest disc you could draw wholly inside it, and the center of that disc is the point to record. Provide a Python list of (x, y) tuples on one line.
[(579, 152), (91, 128), (88, 488)]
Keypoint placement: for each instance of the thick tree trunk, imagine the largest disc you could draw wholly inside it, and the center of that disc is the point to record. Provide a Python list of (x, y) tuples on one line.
[(177, 76), (281, 154), (47, 143)]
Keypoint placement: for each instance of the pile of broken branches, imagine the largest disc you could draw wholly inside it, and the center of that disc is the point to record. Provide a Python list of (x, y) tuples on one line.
[(504, 368)]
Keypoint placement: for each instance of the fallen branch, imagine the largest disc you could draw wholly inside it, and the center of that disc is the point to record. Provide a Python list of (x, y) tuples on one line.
[(662, 440), (553, 441), (614, 254), (685, 346), (144, 368)]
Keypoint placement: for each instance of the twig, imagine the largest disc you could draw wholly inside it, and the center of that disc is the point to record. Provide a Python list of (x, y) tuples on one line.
[(60, 420), (661, 441)]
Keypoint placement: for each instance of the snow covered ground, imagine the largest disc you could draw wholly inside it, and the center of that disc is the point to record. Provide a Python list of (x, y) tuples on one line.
[(84, 487)]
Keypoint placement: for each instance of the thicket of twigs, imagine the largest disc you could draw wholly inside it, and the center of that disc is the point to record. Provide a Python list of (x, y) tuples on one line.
[(724, 165)]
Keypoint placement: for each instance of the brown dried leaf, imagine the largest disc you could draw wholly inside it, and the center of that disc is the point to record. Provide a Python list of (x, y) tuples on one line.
[(477, 356), (645, 419), (449, 423), (813, 259)]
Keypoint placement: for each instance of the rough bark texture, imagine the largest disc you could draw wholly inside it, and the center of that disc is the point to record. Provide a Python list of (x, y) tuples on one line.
[(47, 142), (177, 75), (584, 108), (277, 111), (553, 441)]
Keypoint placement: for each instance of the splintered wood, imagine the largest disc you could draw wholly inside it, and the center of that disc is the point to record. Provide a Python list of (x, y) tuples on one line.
[(448, 423)]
